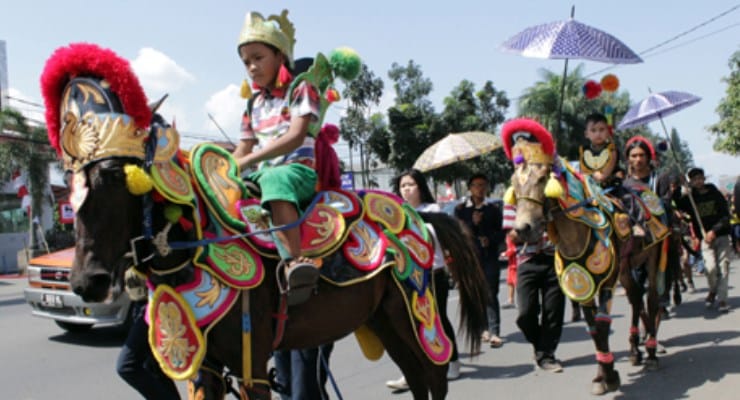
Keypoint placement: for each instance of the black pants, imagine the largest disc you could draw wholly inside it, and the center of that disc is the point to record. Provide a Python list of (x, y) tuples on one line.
[(492, 271), (136, 364), (541, 304), (441, 291)]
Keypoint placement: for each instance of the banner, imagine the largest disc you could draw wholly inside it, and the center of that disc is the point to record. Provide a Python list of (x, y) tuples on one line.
[(66, 213)]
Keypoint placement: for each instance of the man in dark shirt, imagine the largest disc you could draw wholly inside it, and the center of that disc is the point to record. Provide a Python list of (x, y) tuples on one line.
[(484, 220), (712, 225)]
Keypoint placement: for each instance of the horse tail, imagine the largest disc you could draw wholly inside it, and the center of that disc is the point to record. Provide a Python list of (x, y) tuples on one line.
[(457, 241)]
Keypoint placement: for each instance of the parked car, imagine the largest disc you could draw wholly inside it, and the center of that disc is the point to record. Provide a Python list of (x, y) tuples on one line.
[(50, 296)]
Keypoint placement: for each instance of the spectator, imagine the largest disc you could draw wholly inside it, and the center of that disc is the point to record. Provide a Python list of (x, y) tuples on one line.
[(484, 220), (711, 220), (412, 187)]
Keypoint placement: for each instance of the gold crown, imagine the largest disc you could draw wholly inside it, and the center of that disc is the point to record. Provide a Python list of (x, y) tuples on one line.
[(532, 152), (92, 136), (276, 30)]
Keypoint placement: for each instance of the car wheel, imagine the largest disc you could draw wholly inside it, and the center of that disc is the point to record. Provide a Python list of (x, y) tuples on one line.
[(72, 327)]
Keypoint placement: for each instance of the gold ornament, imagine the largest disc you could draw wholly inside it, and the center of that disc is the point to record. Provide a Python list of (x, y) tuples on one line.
[(275, 30)]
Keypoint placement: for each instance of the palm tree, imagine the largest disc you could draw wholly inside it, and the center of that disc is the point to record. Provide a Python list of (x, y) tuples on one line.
[(541, 103)]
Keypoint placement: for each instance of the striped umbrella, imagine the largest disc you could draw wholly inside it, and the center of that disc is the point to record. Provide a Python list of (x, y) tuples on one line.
[(655, 107), (456, 147)]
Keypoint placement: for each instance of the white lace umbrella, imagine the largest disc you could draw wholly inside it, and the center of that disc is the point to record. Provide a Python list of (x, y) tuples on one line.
[(456, 147)]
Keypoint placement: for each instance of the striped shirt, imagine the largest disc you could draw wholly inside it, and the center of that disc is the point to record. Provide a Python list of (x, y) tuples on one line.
[(525, 251), (270, 118)]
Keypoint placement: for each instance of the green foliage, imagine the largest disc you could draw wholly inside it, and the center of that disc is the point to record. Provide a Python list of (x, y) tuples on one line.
[(727, 130), (29, 153), (468, 110), (412, 123), (541, 103), (355, 127)]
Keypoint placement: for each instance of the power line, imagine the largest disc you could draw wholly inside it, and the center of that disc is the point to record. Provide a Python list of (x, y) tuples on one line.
[(30, 103), (676, 37)]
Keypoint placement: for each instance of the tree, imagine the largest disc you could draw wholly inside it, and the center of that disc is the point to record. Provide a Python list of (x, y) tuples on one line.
[(412, 124), (678, 156), (26, 150), (727, 130), (468, 110), (363, 93)]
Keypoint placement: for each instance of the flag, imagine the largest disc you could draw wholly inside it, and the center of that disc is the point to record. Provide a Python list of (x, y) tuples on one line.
[(19, 184)]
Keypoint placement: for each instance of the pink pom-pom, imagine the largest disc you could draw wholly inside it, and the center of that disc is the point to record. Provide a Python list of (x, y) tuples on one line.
[(331, 132)]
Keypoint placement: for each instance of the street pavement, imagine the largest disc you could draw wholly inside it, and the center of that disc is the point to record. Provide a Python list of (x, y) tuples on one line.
[(702, 359)]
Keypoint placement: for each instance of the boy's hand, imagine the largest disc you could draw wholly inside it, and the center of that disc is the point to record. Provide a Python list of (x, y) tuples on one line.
[(709, 237)]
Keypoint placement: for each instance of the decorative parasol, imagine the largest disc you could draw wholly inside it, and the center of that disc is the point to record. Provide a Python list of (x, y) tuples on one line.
[(456, 147)]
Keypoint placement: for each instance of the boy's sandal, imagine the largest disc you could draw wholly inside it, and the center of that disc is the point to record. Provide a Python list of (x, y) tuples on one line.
[(302, 278)]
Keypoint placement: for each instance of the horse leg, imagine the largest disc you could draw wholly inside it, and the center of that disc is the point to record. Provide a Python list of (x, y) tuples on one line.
[(599, 324), (398, 336), (653, 313), (634, 295)]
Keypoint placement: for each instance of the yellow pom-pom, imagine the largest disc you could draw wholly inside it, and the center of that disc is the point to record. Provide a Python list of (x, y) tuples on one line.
[(138, 181), (554, 189), (509, 196), (246, 90)]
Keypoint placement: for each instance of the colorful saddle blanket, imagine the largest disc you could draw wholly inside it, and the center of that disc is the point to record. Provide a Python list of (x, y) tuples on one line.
[(368, 230)]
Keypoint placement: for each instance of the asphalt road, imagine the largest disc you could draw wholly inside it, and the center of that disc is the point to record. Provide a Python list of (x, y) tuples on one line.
[(38, 360)]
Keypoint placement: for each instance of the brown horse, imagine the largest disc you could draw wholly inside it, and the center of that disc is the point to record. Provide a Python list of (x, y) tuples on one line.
[(593, 250), (104, 141), (535, 213)]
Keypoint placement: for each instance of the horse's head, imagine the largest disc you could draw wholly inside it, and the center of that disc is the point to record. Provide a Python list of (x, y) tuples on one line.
[(97, 117), (530, 146)]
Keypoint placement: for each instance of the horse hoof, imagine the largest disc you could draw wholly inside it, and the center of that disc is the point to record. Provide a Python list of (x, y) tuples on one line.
[(603, 385), (651, 364), (636, 359)]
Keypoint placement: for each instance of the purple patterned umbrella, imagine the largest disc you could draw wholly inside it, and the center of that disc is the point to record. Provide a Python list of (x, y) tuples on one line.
[(570, 39), (655, 107), (566, 40)]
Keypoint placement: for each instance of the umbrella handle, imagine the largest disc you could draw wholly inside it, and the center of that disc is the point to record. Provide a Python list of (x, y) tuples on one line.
[(683, 173)]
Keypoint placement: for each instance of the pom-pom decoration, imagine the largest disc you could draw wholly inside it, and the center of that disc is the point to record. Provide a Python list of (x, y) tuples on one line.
[(553, 188), (138, 181), (246, 90), (332, 95), (663, 146), (345, 62), (509, 196), (610, 83), (331, 132), (172, 212), (591, 89)]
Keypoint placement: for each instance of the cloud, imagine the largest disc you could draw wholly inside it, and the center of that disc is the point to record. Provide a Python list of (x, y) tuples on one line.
[(226, 106), (159, 73)]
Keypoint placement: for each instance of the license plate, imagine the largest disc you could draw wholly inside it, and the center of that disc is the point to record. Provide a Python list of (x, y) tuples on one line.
[(52, 300)]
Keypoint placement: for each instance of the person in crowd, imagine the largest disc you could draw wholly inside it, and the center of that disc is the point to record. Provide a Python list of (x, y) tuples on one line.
[(540, 301), (411, 185), (710, 216), (136, 364), (510, 256), (484, 220)]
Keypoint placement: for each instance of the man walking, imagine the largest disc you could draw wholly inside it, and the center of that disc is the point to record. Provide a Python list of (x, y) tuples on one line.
[(712, 225)]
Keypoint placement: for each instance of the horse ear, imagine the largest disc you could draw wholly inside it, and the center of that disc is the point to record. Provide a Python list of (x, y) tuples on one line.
[(155, 105)]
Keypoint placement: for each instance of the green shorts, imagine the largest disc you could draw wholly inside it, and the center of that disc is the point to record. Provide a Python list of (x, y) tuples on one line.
[(293, 182)]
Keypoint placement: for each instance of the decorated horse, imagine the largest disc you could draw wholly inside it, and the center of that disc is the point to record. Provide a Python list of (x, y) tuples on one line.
[(186, 219), (594, 246)]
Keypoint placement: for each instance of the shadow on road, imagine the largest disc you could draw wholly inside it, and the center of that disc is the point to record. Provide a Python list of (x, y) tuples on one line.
[(96, 337), (682, 371), (495, 372)]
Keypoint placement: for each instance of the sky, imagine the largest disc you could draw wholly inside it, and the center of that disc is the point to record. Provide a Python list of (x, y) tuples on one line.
[(187, 49)]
